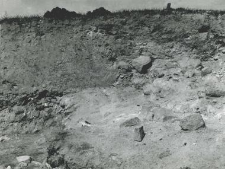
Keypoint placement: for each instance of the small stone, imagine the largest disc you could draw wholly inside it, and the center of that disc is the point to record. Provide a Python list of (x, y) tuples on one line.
[(189, 74), (205, 71), (124, 66), (192, 122), (26, 159), (36, 163), (22, 165), (142, 64), (9, 167), (4, 138), (131, 122), (215, 92), (147, 89), (18, 109), (139, 134), (164, 154)]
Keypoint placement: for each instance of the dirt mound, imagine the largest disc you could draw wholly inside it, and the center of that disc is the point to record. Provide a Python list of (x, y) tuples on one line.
[(98, 12), (60, 13)]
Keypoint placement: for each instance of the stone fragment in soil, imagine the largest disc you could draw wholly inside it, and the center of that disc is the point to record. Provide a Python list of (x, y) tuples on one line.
[(205, 71), (4, 138), (124, 66), (139, 134), (214, 92), (192, 122), (164, 154), (142, 64), (18, 109), (26, 159), (131, 122)]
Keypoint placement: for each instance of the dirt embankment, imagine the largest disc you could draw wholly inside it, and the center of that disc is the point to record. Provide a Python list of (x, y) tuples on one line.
[(136, 69), (81, 52)]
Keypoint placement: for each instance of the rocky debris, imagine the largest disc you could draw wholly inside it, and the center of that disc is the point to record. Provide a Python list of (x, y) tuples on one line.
[(162, 115), (138, 82), (148, 89), (18, 109), (189, 74), (164, 154), (142, 64), (205, 71), (204, 28), (215, 92), (24, 159), (131, 122), (4, 138), (56, 161), (139, 134), (124, 66), (192, 122)]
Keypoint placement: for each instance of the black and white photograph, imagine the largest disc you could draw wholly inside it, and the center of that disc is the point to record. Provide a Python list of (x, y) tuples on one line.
[(112, 84)]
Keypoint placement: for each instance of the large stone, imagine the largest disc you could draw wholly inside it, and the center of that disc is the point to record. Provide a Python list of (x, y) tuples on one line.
[(139, 134), (192, 122), (131, 122), (25, 159), (142, 64)]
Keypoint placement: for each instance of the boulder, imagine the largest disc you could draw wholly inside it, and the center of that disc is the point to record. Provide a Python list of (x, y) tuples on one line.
[(142, 64), (131, 122), (139, 134), (192, 122)]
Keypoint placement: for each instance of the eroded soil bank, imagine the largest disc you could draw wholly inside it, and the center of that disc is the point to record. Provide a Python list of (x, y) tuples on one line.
[(119, 91)]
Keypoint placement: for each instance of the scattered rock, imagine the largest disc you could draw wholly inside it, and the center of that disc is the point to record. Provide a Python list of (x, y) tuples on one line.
[(164, 154), (138, 82), (35, 163), (131, 122), (139, 134), (162, 115), (4, 138), (192, 122), (204, 28), (124, 66), (142, 64), (147, 89), (215, 92), (26, 159), (56, 161), (22, 165), (205, 71), (18, 109), (189, 74)]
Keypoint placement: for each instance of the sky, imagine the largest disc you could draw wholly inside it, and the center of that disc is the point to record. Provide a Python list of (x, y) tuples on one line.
[(33, 7)]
